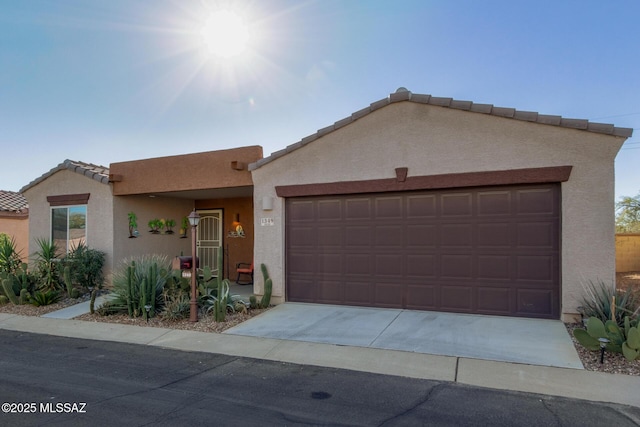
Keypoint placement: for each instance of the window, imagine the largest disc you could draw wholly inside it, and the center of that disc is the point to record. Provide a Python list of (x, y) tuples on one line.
[(68, 226)]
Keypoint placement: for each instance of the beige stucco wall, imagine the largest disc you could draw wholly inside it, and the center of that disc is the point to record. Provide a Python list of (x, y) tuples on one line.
[(148, 208), (432, 140), (99, 211), (627, 252), (17, 226)]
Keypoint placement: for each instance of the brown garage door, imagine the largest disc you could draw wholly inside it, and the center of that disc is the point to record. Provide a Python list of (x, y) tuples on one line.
[(490, 250)]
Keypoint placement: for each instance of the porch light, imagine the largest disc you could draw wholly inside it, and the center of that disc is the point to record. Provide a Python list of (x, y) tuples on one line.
[(194, 219)]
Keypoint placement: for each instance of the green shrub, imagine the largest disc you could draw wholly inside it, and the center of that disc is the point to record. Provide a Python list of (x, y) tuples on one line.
[(598, 303), (86, 266)]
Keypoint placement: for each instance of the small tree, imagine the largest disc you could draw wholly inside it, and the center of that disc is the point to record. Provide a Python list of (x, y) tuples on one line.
[(628, 215)]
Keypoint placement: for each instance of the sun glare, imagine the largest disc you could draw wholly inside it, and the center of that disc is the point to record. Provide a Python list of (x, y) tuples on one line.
[(225, 34)]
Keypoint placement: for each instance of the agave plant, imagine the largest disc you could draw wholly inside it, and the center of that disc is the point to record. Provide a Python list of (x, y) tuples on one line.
[(44, 298), (605, 302)]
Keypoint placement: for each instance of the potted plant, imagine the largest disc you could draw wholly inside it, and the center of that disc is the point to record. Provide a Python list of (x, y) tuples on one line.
[(155, 225), (133, 225), (170, 223), (184, 227)]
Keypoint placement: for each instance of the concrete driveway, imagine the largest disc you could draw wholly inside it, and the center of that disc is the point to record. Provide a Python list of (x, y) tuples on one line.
[(506, 339)]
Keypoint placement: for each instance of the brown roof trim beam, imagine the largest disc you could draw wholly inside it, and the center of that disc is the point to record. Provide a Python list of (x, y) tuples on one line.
[(68, 199), (431, 182)]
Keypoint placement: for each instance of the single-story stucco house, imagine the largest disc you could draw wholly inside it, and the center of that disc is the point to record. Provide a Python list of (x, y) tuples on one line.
[(413, 202), (432, 203), (14, 219)]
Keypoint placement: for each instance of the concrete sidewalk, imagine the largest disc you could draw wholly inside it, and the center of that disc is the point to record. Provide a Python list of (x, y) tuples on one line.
[(573, 383)]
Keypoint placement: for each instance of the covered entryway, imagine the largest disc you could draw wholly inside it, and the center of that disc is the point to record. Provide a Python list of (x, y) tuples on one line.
[(482, 250)]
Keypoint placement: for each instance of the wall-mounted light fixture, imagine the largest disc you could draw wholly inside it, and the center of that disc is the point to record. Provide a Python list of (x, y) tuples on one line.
[(267, 203), (237, 230)]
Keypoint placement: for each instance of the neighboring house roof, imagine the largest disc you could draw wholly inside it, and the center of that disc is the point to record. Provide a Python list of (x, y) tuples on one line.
[(13, 203), (97, 172), (403, 94)]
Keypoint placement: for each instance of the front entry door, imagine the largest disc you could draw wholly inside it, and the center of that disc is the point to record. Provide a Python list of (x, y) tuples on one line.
[(209, 239)]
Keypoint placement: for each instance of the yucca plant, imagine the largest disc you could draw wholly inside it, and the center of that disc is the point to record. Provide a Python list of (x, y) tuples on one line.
[(10, 258), (47, 265)]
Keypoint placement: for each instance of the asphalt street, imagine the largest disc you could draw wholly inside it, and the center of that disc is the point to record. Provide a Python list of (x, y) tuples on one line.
[(48, 380)]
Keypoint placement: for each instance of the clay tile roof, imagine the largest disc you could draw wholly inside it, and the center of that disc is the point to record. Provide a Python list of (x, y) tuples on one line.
[(96, 172), (403, 95), (12, 202)]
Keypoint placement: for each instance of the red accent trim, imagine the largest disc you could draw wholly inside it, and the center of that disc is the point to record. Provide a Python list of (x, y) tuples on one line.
[(431, 182)]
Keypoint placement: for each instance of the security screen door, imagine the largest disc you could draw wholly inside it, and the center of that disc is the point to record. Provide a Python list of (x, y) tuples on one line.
[(209, 239)]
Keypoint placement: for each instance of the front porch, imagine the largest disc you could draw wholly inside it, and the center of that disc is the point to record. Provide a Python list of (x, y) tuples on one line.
[(216, 184)]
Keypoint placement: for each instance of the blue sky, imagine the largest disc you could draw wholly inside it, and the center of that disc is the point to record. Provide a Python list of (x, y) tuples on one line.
[(109, 81)]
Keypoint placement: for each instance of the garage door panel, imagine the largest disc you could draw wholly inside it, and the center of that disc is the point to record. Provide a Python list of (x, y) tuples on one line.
[(331, 291), (303, 263), (389, 236), (535, 268), (421, 235), (456, 266), (329, 210), (494, 267), (456, 298), (301, 211), (535, 302), (330, 237), (388, 295), (421, 266), (357, 236), (491, 250), (494, 235), (389, 208), (302, 290), (358, 293), (422, 296), (357, 209), (494, 203), (456, 235), (537, 234), (303, 237), (493, 300), (456, 205), (536, 201), (388, 265), (422, 206), (328, 264), (358, 264)]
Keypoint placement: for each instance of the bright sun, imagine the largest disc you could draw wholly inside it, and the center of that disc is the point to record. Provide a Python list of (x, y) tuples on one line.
[(225, 34)]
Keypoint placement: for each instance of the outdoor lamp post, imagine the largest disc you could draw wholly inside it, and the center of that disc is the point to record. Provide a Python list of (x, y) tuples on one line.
[(194, 219)]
